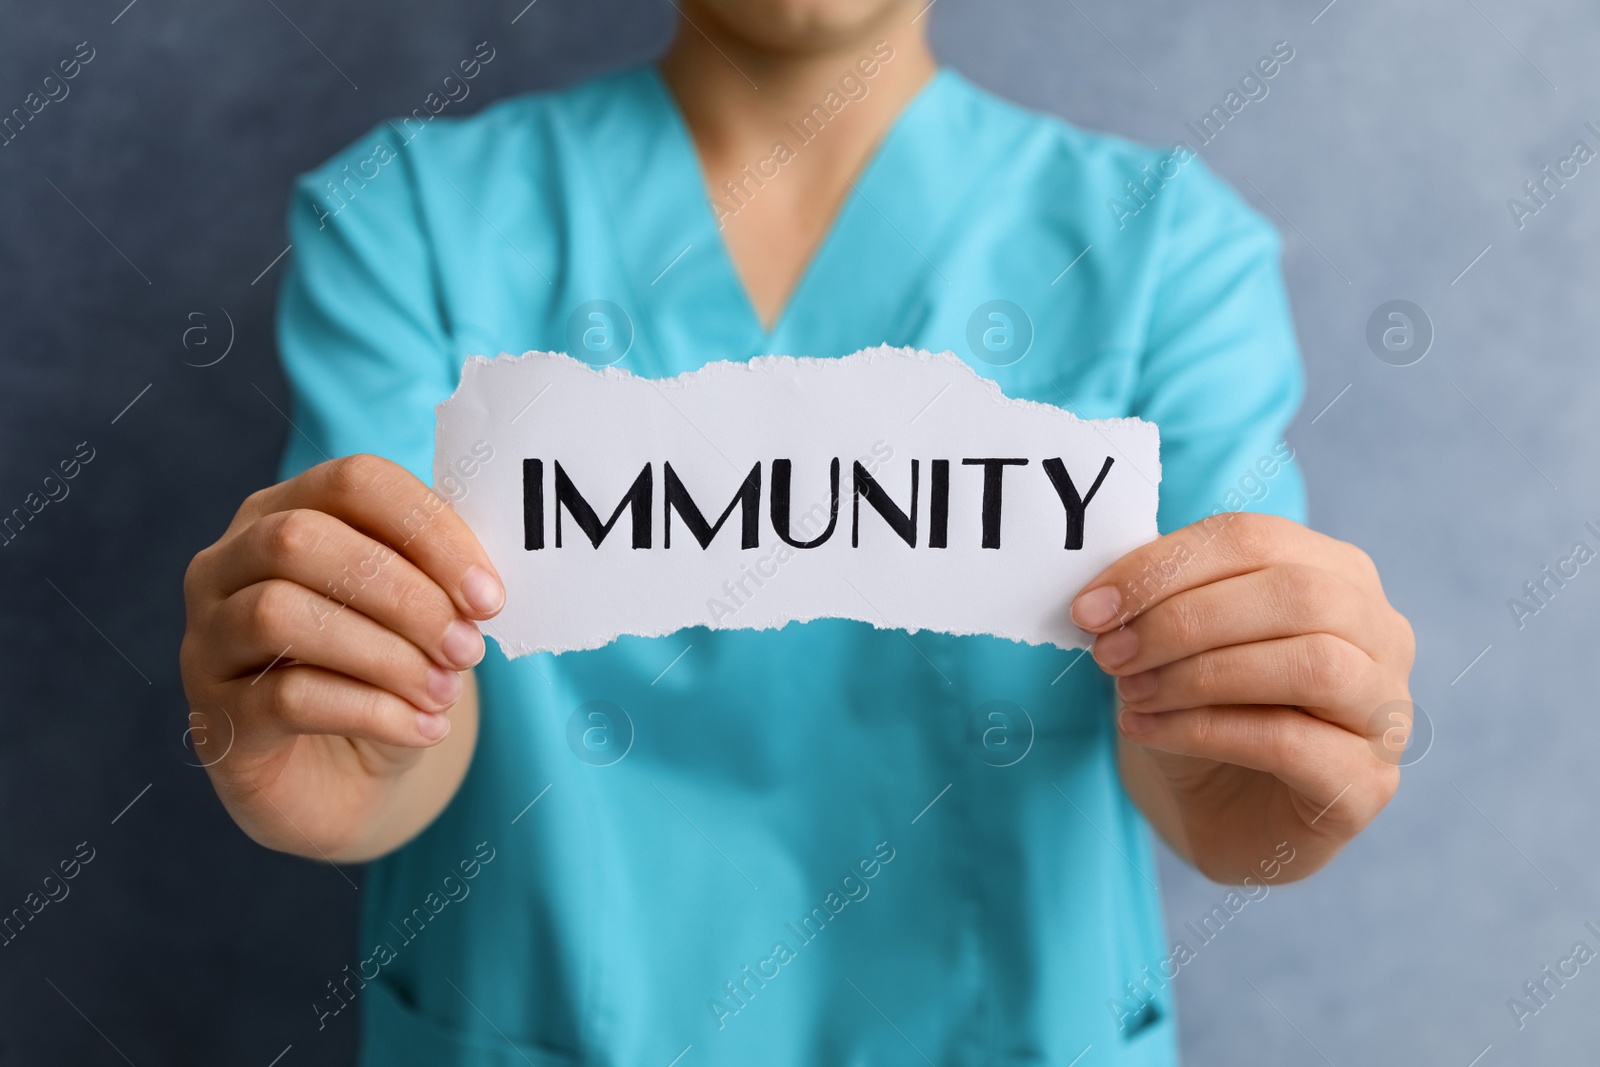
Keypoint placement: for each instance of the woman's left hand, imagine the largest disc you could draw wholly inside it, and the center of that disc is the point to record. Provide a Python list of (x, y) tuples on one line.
[(1263, 677)]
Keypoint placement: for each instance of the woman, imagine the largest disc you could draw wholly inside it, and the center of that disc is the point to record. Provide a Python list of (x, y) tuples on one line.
[(796, 846)]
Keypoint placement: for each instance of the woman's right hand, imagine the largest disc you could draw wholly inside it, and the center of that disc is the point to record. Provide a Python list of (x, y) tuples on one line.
[(330, 631)]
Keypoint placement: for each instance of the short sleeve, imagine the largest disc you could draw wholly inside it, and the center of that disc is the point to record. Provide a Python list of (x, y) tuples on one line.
[(1220, 372), (362, 339)]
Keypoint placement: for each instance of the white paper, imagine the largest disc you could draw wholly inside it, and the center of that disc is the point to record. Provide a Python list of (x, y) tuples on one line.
[(882, 408)]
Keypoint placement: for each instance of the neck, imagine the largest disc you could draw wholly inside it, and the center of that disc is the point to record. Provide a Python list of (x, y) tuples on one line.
[(739, 98), (782, 133)]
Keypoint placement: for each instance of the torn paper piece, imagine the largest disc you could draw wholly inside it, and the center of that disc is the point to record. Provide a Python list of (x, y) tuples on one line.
[(894, 487)]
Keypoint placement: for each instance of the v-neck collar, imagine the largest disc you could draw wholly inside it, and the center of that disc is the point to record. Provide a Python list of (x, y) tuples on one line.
[(818, 254), (863, 282)]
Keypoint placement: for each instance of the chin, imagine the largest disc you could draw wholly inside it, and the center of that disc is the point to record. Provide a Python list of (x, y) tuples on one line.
[(800, 25)]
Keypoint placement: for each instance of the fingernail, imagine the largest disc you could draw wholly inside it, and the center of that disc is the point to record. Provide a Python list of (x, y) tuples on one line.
[(1137, 687), (483, 590), (463, 645), (432, 727), (1132, 722), (1115, 648), (443, 686), (1096, 607)]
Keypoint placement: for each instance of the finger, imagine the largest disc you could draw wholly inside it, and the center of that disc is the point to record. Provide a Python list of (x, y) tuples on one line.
[(385, 501), (1222, 546), (1316, 671), (347, 568), (303, 699), (1287, 600), (1334, 773), (277, 621)]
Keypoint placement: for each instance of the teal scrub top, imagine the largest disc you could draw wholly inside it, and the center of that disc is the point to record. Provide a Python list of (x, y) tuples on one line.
[(826, 844)]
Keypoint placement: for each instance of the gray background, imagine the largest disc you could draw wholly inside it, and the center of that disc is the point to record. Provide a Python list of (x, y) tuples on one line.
[(1385, 153)]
